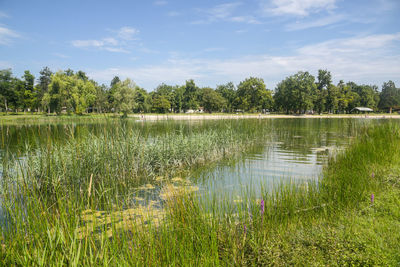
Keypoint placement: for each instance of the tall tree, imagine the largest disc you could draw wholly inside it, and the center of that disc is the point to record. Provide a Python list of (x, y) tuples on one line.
[(124, 95), (29, 95), (43, 85), (322, 93), (251, 93), (190, 96), (6, 87), (228, 91), (212, 100), (179, 93), (389, 97), (295, 93), (82, 75)]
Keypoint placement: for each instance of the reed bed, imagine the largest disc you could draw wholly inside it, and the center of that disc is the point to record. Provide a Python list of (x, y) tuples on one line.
[(63, 205)]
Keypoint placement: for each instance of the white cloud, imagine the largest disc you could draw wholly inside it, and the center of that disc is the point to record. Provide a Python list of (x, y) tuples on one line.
[(368, 59), (117, 44), (297, 7), (325, 21), (7, 35), (225, 12), (127, 33), (88, 43)]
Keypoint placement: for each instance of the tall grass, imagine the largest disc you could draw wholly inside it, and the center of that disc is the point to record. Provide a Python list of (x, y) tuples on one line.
[(62, 207)]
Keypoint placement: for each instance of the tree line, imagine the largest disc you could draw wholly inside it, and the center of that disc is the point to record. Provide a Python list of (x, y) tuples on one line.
[(73, 92)]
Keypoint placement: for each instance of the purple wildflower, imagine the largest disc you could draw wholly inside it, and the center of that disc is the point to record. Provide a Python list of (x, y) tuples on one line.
[(372, 175), (244, 229), (372, 198), (262, 207)]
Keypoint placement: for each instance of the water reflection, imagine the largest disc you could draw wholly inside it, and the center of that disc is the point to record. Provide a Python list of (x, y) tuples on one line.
[(297, 151), (296, 148)]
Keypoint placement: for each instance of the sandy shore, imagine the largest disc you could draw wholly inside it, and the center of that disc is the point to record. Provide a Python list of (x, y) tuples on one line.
[(153, 117)]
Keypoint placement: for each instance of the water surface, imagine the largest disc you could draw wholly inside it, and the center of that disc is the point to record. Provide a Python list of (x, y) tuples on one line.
[(295, 149)]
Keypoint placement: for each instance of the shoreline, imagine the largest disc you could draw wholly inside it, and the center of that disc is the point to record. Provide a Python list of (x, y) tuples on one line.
[(157, 117), (30, 118)]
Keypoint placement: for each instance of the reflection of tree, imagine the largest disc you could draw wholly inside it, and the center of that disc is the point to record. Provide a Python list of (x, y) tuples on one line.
[(302, 136)]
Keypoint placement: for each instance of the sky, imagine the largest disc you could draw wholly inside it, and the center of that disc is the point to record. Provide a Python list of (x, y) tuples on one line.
[(212, 42)]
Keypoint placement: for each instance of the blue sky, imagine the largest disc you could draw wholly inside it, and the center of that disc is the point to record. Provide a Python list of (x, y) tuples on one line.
[(212, 42)]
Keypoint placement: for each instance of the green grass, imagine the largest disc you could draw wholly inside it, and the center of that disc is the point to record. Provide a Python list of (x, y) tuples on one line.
[(64, 206)]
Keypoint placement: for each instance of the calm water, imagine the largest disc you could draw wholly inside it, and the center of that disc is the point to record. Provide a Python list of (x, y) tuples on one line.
[(296, 149)]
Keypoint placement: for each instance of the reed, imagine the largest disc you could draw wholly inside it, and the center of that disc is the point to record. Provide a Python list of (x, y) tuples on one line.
[(70, 204)]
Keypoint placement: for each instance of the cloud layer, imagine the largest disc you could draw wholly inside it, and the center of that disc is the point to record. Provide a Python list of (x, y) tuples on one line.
[(7, 35), (297, 7), (118, 43), (364, 59)]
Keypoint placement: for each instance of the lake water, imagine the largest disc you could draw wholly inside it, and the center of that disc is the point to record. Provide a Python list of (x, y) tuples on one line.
[(295, 149)]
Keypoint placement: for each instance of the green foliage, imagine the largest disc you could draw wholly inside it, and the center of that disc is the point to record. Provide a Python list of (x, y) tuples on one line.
[(252, 95), (228, 91), (6, 84), (124, 96), (212, 100), (332, 223), (390, 96), (73, 92), (190, 96), (161, 104), (296, 93), (70, 92)]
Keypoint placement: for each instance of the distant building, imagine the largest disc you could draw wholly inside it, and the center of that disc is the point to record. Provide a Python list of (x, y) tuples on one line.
[(362, 109)]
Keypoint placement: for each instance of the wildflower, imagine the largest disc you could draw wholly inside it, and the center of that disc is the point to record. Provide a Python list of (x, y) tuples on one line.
[(372, 198), (372, 175), (244, 229), (262, 207)]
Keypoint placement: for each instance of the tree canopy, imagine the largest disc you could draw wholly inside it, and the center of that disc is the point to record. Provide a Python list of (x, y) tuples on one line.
[(74, 92)]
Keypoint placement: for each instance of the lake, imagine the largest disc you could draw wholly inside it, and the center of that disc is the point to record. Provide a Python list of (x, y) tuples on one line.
[(293, 149)]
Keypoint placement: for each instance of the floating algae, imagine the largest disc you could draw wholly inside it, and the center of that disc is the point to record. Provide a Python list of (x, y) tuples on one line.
[(96, 222), (171, 191), (132, 219)]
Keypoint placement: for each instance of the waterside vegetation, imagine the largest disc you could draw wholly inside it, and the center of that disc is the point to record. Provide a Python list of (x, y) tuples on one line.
[(77, 203)]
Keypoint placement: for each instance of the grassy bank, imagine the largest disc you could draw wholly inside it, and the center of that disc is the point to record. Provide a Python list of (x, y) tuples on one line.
[(70, 204), (21, 118)]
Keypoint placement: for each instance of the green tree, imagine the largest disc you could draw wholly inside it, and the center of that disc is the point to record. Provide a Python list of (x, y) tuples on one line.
[(124, 96), (167, 91), (228, 91), (389, 97), (332, 100), (179, 93), (101, 102), (321, 94), (251, 94), (368, 94), (71, 92), (296, 93), (212, 100), (6, 87), (140, 98), (190, 96), (43, 85), (161, 104), (29, 95)]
